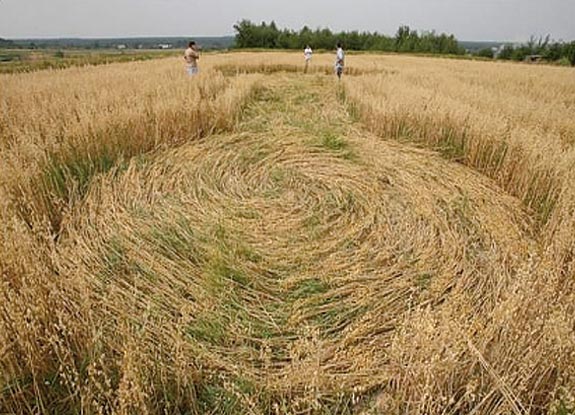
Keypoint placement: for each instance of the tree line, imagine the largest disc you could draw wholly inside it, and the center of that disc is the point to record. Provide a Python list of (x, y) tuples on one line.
[(542, 48), (5, 43), (220, 42), (563, 52), (269, 36)]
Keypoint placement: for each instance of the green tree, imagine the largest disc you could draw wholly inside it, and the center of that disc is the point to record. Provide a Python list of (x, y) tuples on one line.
[(485, 53), (5, 43), (264, 35), (569, 52), (245, 36), (506, 52)]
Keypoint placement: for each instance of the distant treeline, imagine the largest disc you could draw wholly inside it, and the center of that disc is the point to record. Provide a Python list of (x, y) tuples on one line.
[(222, 42), (267, 35), (5, 43), (536, 48)]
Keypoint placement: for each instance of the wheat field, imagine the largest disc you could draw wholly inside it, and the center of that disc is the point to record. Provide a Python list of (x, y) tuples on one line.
[(256, 240)]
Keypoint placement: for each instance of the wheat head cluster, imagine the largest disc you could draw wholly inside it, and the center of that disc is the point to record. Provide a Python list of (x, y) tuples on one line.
[(258, 240)]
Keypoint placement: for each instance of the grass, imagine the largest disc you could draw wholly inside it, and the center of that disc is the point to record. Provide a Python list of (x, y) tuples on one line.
[(208, 329), (176, 240), (563, 409), (22, 61), (205, 245), (464, 123), (423, 281), (332, 142), (308, 288), (214, 399), (66, 169)]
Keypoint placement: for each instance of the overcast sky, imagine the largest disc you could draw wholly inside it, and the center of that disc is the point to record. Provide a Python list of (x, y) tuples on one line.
[(513, 20)]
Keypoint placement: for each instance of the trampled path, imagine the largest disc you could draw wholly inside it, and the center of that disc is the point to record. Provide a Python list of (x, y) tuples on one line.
[(297, 255)]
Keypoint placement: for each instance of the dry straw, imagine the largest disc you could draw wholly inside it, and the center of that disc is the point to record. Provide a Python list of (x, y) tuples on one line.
[(241, 244)]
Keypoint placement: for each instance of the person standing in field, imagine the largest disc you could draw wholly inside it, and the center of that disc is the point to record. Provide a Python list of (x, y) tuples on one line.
[(339, 60), (307, 52), (191, 57)]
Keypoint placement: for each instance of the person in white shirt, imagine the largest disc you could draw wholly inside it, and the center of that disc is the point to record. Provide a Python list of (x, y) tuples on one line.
[(307, 52), (339, 60)]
